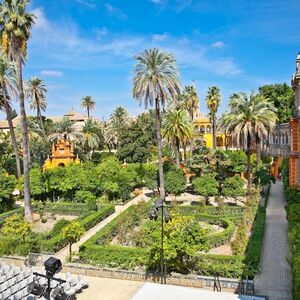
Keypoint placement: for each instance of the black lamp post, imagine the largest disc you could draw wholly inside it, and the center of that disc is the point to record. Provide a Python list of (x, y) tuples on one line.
[(165, 216)]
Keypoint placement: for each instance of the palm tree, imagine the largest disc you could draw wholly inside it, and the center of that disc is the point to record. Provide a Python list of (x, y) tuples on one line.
[(156, 81), (89, 137), (7, 82), (15, 25), (117, 121), (88, 103), (64, 130), (249, 118), (35, 90), (213, 99), (177, 128), (191, 104)]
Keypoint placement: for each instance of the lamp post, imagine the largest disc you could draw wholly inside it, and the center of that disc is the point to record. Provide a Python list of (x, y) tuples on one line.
[(165, 217)]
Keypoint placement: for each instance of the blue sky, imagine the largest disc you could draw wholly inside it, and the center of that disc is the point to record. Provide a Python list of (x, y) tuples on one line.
[(86, 47)]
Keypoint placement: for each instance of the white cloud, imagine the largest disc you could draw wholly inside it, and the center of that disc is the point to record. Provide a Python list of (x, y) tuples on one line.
[(101, 31), (60, 45), (115, 12), (218, 44), (41, 21), (159, 37), (87, 3), (156, 1), (52, 73)]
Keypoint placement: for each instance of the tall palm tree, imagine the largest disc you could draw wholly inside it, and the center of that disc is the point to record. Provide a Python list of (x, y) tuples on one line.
[(177, 128), (213, 99), (89, 137), (35, 90), (117, 121), (249, 118), (7, 82), (156, 81), (191, 104), (64, 130), (15, 26), (88, 103)]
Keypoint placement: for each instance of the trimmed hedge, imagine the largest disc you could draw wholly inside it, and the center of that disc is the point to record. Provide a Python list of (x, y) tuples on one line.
[(255, 244), (227, 211), (57, 242), (62, 208)]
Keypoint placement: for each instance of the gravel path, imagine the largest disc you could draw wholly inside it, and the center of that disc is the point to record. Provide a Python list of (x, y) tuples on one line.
[(63, 253), (275, 279)]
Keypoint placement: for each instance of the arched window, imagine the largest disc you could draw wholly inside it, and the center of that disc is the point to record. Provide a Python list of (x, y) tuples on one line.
[(202, 128), (208, 128), (286, 138)]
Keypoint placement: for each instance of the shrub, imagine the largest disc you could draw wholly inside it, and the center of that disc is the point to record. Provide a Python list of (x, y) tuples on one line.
[(175, 182), (58, 226), (234, 186), (206, 185), (86, 197), (16, 227)]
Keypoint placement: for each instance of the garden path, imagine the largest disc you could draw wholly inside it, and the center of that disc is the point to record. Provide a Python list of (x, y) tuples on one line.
[(275, 279), (63, 253)]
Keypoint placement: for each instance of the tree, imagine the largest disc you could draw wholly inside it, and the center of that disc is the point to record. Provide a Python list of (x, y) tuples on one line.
[(15, 25), (156, 81), (88, 103), (35, 91), (119, 121), (234, 186), (175, 182), (89, 136), (213, 99), (283, 98), (16, 227), (7, 81), (250, 119), (177, 128), (191, 104), (206, 185), (72, 233), (183, 237), (8, 184), (64, 130)]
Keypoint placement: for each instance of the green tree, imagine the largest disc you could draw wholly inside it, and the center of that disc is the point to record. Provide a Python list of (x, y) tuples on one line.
[(213, 99), (250, 119), (175, 182), (86, 197), (156, 81), (64, 130), (283, 98), (72, 233), (7, 81), (15, 26), (206, 185), (183, 237), (35, 91), (88, 103), (234, 186), (177, 129), (191, 104), (8, 184), (90, 136), (237, 161), (16, 227), (138, 139)]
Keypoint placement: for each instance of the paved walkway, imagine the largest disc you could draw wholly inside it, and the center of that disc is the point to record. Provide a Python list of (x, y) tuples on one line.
[(275, 277), (63, 253)]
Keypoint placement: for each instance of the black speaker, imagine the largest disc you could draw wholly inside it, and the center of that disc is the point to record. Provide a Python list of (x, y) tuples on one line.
[(52, 265)]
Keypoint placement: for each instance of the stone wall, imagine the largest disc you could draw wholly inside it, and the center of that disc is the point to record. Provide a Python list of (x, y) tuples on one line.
[(227, 284)]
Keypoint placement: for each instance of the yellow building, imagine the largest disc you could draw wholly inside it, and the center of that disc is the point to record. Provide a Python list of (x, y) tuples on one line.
[(203, 131), (62, 155)]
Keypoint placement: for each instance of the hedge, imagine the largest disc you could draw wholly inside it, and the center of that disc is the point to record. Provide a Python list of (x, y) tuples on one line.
[(58, 241), (62, 208), (227, 211), (220, 238), (255, 243)]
